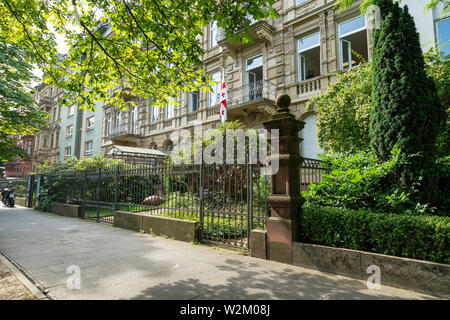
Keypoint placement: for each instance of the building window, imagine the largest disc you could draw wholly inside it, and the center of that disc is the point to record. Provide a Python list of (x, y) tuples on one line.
[(212, 34), (133, 120), (54, 114), (309, 147), (169, 109), (309, 57), (117, 124), (108, 124), (29, 148), (57, 139), (193, 101), (214, 95), (45, 143), (51, 140), (70, 111), (443, 35), (67, 152), (254, 77), (169, 147), (353, 39), (90, 123), (69, 130), (88, 148), (154, 113), (300, 1)]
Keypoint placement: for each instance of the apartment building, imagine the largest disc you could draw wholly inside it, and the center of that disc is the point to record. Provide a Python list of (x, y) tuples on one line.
[(47, 141), (293, 54), (81, 132), (21, 167), (433, 28), (298, 53)]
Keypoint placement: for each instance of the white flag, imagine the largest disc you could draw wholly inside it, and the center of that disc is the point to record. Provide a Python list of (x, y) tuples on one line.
[(223, 102)]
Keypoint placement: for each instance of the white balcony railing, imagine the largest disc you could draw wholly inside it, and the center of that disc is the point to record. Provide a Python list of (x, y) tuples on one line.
[(124, 130), (248, 93)]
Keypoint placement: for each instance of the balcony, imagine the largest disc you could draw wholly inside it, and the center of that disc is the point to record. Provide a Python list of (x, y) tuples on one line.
[(257, 96), (311, 87), (125, 94), (54, 125), (125, 132), (260, 30), (45, 101), (42, 153)]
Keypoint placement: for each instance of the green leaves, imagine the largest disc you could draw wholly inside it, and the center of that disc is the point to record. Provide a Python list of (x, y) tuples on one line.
[(72, 164), (343, 111), (18, 113), (360, 180), (418, 237), (346, 4), (433, 3), (403, 115), (148, 48)]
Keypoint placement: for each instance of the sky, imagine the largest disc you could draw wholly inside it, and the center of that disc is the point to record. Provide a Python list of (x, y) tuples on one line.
[(61, 44), (62, 48)]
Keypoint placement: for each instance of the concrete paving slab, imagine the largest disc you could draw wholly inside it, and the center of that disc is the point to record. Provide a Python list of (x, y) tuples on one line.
[(122, 264)]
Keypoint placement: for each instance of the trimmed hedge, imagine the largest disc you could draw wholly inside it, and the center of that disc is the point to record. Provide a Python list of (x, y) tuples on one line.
[(420, 237)]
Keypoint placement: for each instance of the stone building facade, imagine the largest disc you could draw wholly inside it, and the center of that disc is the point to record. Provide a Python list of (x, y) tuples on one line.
[(47, 141), (298, 53), (293, 54), (21, 167)]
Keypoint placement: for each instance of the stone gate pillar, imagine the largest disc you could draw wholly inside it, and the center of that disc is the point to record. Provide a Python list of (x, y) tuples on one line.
[(285, 199)]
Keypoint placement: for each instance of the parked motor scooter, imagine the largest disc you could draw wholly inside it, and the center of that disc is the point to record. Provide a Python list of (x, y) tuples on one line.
[(8, 196)]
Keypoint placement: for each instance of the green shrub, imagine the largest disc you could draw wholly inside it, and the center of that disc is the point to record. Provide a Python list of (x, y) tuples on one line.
[(360, 180), (419, 237), (45, 200), (181, 201), (443, 201)]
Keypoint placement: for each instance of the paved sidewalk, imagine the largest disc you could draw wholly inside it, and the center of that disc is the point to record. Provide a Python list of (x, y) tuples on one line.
[(121, 264)]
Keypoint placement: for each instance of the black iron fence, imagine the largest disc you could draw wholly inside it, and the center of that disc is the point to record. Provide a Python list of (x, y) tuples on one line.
[(20, 186), (228, 200), (311, 172)]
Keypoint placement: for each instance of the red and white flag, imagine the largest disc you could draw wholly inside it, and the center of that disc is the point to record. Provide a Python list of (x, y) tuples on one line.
[(223, 102)]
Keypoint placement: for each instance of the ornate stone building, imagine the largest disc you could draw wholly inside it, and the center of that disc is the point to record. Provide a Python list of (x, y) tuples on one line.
[(47, 141), (298, 53), (294, 54)]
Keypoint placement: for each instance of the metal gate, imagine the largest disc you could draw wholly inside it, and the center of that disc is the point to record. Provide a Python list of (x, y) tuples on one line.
[(234, 203), (98, 195)]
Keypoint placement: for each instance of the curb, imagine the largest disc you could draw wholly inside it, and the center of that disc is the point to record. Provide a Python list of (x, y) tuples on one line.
[(25, 279)]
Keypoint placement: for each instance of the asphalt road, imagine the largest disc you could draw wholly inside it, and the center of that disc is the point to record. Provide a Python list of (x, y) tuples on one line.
[(120, 264)]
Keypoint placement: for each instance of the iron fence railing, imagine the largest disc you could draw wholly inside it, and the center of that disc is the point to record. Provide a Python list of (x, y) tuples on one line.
[(228, 200), (311, 172), (19, 185), (261, 89), (124, 130)]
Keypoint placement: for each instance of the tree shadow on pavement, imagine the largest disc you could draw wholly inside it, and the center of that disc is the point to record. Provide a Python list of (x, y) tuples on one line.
[(252, 281)]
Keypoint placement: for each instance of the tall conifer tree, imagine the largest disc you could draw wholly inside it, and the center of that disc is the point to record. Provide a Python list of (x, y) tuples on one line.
[(406, 108)]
